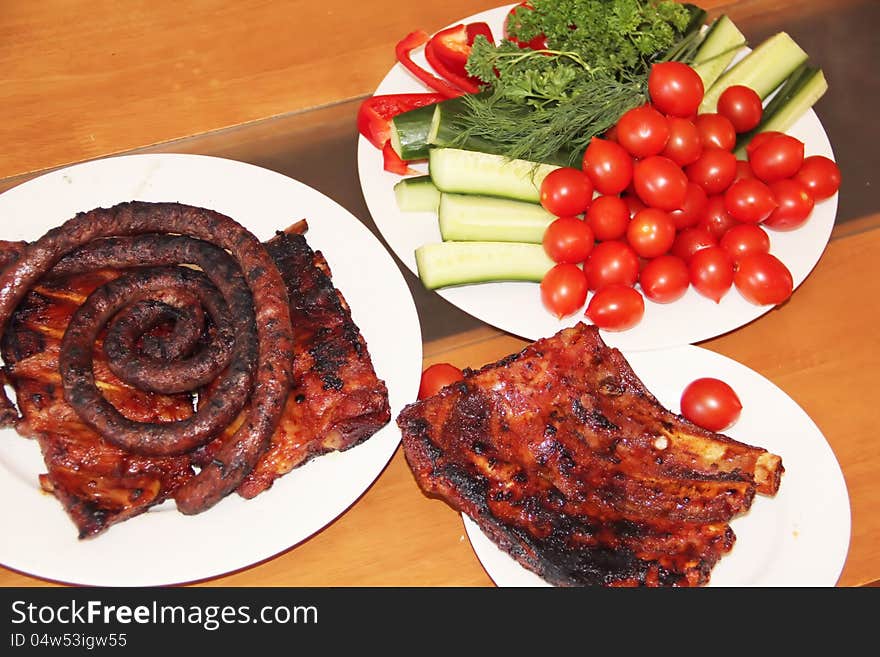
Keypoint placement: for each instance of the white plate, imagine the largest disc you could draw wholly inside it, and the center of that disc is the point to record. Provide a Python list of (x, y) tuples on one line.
[(516, 307), (163, 546), (800, 537)]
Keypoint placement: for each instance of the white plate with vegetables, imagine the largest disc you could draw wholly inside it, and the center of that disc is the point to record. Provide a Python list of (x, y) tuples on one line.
[(515, 305)]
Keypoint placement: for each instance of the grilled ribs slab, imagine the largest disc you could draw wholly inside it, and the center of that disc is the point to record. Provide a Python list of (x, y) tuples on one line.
[(336, 403), (567, 462)]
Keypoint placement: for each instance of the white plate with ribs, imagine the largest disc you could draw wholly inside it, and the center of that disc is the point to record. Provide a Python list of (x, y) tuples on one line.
[(163, 546)]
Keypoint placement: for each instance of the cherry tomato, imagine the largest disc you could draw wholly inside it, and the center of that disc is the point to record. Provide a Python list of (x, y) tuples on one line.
[(778, 157), (608, 165), (716, 131), (685, 144), (634, 204), (675, 88), (616, 308), (660, 182), (717, 219), (711, 404), (795, 204), (643, 131), (608, 217), (651, 233), (820, 175), (743, 239), (692, 210), (564, 289), (711, 271), (566, 192), (612, 262), (691, 240), (763, 279), (759, 139), (714, 170), (743, 171), (568, 239), (665, 279), (436, 377), (749, 201), (742, 107)]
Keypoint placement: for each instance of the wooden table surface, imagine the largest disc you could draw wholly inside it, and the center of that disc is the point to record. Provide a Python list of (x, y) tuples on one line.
[(250, 79)]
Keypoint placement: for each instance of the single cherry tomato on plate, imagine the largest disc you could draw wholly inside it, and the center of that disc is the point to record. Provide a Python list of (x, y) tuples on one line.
[(643, 131), (568, 240), (742, 107), (684, 144), (436, 377), (693, 209), (608, 217), (780, 156), (675, 88), (742, 239), (564, 289), (759, 139), (665, 279), (611, 262), (651, 233), (711, 271), (608, 165), (566, 192), (660, 182), (690, 240), (710, 403), (716, 219), (820, 175), (794, 205), (763, 279), (716, 131), (616, 308), (749, 201), (714, 170)]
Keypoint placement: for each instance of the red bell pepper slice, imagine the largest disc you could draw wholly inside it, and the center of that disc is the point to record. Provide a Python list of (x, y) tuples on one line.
[(449, 49), (537, 43), (375, 113), (409, 43), (391, 161), (439, 65)]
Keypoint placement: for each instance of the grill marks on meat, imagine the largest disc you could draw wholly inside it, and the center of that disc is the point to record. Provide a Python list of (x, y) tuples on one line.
[(568, 463), (100, 484)]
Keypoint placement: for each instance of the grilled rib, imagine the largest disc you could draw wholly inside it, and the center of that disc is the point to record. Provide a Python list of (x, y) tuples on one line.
[(565, 459)]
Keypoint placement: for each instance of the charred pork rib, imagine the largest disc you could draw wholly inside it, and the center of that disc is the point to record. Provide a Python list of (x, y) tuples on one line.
[(567, 462)]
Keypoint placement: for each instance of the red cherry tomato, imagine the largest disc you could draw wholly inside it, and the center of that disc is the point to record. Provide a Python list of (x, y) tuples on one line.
[(742, 107), (743, 239), (566, 192), (717, 219), (675, 88), (759, 139), (743, 171), (691, 240), (693, 209), (564, 289), (612, 262), (633, 203), (685, 144), (608, 217), (608, 165), (714, 170), (711, 271), (820, 175), (711, 404), (795, 204), (716, 131), (763, 279), (660, 182), (665, 279), (749, 201), (436, 377), (643, 131), (778, 157), (568, 239), (651, 233), (616, 308)]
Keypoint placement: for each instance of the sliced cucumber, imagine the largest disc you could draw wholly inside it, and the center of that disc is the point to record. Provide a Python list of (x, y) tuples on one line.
[(469, 218), (417, 194), (409, 133), (460, 263), (797, 94), (471, 172), (763, 69), (721, 43)]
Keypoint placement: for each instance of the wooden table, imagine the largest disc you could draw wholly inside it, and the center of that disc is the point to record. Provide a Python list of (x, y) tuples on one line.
[(271, 83)]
